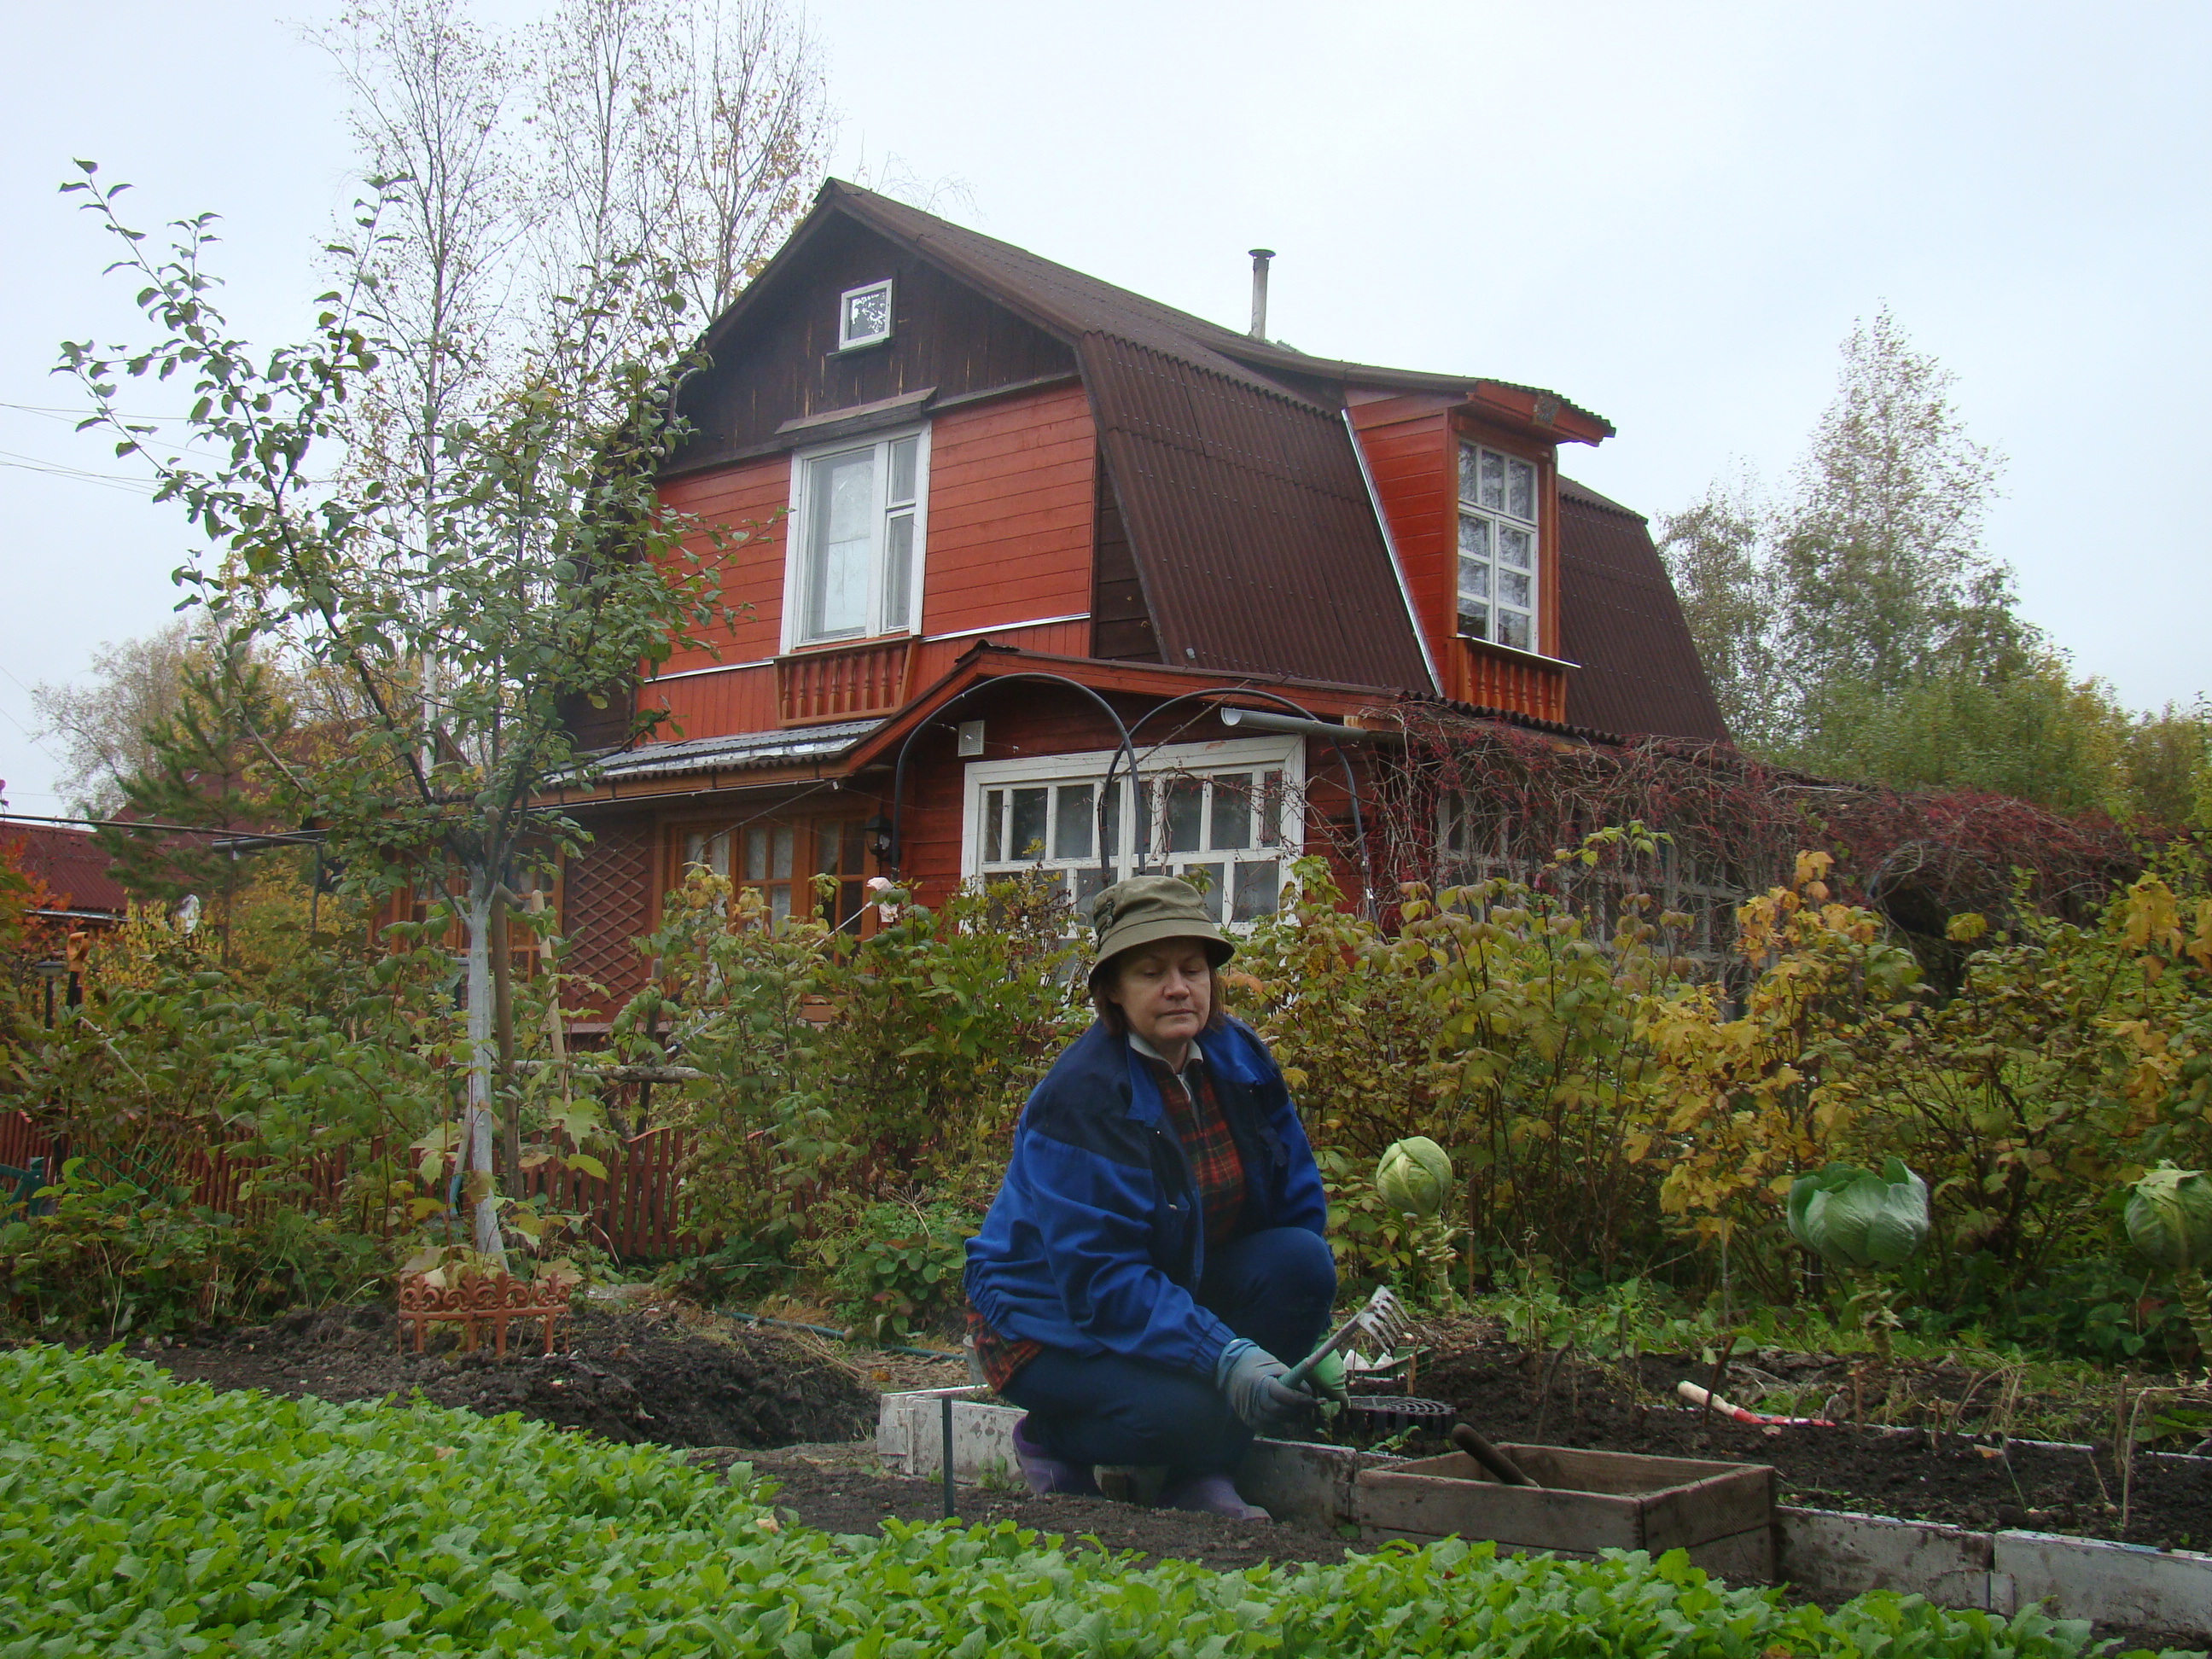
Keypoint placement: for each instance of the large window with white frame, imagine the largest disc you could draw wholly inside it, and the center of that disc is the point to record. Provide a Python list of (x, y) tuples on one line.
[(854, 566), (1230, 813), (1497, 541)]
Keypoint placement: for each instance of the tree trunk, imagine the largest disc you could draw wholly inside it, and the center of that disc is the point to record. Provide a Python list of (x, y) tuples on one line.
[(478, 1182), (502, 1022)]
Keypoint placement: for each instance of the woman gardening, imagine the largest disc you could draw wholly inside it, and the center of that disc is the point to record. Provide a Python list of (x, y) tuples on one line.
[(1157, 1242)]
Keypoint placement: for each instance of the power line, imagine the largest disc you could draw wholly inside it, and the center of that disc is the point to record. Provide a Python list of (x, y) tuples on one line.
[(306, 838)]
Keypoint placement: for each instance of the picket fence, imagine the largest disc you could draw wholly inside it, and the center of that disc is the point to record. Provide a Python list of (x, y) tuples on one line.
[(637, 1212)]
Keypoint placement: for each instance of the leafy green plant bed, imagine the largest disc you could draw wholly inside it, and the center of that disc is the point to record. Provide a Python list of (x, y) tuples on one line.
[(141, 1515)]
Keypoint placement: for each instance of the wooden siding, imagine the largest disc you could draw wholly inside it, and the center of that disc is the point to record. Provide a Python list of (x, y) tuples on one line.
[(1007, 541), (778, 360), (1010, 512)]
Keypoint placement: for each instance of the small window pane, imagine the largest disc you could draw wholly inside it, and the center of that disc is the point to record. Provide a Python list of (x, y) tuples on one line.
[(1258, 890), (1185, 802), (1513, 630), (1232, 811), (827, 839), (1209, 877), (1474, 620), (779, 904), (1513, 588), (1470, 473), (899, 571), (1520, 489), (1113, 847), (1270, 809), (1473, 535), (779, 867), (757, 853), (994, 803), (1474, 580), (1493, 479), (1026, 840), (1516, 547), (1074, 820), (903, 453), (1089, 884)]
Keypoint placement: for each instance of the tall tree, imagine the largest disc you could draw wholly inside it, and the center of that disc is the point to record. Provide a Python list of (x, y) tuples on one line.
[(134, 689), (1712, 552), (524, 553)]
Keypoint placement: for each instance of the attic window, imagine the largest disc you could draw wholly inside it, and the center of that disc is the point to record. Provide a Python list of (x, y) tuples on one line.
[(1498, 537), (864, 315)]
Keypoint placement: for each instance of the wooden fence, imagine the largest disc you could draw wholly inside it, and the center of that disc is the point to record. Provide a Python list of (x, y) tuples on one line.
[(637, 1212)]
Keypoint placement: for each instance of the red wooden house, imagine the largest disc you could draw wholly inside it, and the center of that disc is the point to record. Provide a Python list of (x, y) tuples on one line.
[(1019, 523)]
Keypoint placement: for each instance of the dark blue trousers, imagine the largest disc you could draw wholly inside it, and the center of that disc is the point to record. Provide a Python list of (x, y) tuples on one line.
[(1275, 1286)]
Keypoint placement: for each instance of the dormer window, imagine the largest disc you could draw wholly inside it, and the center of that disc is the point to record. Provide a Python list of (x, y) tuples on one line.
[(863, 316), (1498, 544)]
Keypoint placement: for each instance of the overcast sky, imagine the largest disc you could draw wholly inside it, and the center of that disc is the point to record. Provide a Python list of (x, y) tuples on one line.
[(1669, 214)]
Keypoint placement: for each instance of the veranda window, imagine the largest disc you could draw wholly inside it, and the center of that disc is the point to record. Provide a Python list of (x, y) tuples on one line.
[(1229, 812), (779, 860)]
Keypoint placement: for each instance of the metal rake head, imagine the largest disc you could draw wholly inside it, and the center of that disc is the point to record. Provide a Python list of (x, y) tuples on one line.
[(1382, 1320)]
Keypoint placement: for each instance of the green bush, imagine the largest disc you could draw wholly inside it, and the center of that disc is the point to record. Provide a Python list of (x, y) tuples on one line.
[(895, 1272), (112, 1257), (143, 1516)]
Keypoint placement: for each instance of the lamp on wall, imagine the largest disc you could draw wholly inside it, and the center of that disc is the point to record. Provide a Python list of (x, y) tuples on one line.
[(879, 832)]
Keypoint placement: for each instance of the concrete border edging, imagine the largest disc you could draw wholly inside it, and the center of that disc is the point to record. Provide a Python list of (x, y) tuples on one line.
[(1824, 1554)]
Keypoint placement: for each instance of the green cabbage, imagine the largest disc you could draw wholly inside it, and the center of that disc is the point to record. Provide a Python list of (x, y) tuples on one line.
[(2169, 1217), (1855, 1220), (1413, 1177)]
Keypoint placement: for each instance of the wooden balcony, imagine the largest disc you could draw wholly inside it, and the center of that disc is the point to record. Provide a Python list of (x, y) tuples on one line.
[(1496, 677), (842, 683)]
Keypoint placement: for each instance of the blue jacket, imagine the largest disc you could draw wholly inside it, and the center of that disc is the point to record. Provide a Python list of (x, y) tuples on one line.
[(1094, 1243)]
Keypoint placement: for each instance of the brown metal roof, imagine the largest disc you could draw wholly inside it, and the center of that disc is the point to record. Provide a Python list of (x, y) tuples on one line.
[(1619, 619), (71, 865)]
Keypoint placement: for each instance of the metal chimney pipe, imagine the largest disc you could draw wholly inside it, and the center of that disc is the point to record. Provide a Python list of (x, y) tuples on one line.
[(1260, 258)]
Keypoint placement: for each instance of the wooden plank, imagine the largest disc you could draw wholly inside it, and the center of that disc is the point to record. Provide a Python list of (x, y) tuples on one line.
[(1475, 1506), (1739, 1500)]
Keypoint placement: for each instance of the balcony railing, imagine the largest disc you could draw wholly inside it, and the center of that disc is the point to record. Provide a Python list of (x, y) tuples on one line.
[(842, 683)]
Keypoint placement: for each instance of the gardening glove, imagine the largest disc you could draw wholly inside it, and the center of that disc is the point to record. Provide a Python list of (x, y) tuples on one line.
[(1325, 1377), (1248, 1377)]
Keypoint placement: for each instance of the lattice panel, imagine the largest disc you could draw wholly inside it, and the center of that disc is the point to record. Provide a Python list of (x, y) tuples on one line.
[(607, 904)]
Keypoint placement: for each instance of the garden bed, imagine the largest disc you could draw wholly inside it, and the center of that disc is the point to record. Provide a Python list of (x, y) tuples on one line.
[(625, 1375), (1910, 1470)]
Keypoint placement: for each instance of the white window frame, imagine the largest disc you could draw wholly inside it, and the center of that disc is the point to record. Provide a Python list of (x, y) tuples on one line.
[(847, 340), (1286, 754), (1471, 506), (800, 538)]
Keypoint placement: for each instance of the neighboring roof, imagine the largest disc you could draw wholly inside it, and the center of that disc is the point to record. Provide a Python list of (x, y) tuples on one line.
[(1620, 618), (740, 752), (1255, 545), (70, 864)]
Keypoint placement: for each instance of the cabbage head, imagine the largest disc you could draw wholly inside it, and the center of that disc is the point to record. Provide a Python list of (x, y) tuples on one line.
[(1413, 1177), (1855, 1220), (2169, 1217)]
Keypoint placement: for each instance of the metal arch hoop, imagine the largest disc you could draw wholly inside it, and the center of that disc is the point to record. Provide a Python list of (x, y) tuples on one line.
[(1351, 784), (1128, 748)]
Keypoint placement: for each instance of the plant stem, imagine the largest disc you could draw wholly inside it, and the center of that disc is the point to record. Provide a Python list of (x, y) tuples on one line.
[(2189, 1283)]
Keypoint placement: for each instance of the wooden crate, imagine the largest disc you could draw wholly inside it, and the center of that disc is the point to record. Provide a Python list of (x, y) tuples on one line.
[(1585, 1501)]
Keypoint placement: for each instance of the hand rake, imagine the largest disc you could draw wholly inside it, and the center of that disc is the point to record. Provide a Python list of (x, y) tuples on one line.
[(1383, 1320)]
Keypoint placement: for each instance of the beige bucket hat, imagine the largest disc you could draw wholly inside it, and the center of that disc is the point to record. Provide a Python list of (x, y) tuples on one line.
[(1146, 909)]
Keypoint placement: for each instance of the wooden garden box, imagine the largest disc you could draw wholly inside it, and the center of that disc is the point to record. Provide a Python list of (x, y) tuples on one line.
[(1583, 1502)]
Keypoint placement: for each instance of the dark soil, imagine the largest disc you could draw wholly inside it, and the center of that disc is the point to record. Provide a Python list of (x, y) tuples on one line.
[(1961, 1480), (624, 1376), (855, 1500)]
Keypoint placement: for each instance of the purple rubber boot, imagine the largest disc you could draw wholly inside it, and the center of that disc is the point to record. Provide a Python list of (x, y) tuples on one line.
[(1212, 1494), (1046, 1474)]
